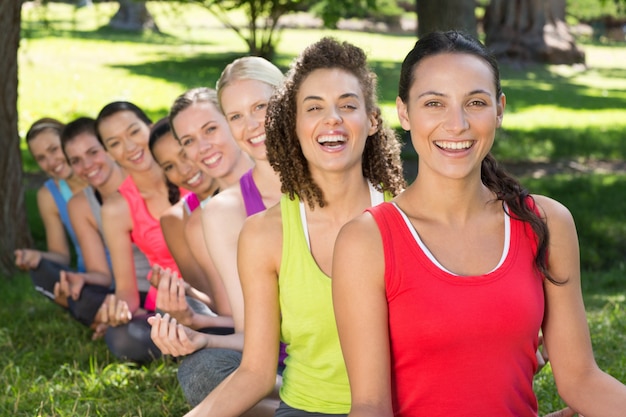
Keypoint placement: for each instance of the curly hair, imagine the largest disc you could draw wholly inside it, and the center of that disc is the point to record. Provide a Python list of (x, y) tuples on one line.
[(381, 162)]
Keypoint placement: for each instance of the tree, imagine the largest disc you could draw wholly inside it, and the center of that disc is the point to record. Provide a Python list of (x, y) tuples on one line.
[(13, 225), (446, 15), (530, 30), (133, 15), (262, 31)]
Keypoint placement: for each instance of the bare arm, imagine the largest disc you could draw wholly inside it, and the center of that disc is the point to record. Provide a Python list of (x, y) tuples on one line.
[(581, 384), (90, 241), (173, 228), (361, 313), (56, 240), (172, 298), (213, 286), (117, 224), (222, 220), (259, 251)]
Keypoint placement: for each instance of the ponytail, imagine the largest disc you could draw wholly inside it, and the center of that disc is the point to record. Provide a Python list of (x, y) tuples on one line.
[(510, 191)]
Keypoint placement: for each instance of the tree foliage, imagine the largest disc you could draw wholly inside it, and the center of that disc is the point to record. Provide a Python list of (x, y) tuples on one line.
[(262, 30)]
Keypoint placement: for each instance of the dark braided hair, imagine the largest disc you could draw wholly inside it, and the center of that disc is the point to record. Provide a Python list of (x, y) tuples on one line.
[(158, 130), (506, 188)]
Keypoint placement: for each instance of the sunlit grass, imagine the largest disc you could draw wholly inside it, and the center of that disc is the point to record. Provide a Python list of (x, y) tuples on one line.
[(49, 366)]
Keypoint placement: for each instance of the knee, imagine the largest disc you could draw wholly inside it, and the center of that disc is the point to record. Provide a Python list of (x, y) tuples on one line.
[(132, 342), (202, 371)]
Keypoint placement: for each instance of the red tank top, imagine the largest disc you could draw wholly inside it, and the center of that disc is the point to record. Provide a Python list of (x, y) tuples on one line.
[(147, 235), (460, 345)]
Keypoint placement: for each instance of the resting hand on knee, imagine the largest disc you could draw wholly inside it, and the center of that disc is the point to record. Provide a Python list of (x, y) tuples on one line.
[(172, 338)]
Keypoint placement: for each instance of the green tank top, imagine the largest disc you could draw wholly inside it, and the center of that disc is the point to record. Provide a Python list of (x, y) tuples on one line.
[(315, 377)]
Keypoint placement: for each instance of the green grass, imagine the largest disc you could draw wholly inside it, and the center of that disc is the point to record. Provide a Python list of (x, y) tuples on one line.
[(50, 367), (71, 66)]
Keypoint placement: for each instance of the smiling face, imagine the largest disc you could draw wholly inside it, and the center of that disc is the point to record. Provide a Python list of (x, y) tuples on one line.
[(332, 121), (178, 168), (452, 111), (206, 139), (47, 152), (244, 103), (126, 137), (89, 160)]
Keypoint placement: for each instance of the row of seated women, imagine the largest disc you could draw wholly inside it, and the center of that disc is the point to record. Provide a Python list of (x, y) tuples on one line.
[(438, 292), (126, 191)]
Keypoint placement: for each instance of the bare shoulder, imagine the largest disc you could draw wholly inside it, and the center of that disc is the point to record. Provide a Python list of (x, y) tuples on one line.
[(173, 215), (264, 228), (553, 211), (359, 238), (225, 209), (226, 200), (44, 195), (77, 203), (362, 225), (115, 207)]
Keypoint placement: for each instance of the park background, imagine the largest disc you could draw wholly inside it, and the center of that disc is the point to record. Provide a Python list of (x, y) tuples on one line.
[(564, 134)]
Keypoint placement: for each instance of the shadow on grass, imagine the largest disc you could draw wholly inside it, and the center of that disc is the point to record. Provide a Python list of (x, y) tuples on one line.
[(551, 144), (537, 85), (35, 30)]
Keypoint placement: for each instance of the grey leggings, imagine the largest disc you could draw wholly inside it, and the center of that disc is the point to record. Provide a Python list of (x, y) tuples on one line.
[(203, 370), (286, 411)]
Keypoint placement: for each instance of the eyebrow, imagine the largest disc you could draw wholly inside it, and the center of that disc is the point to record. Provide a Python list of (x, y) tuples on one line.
[(130, 126), (471, 93), (344, 95)]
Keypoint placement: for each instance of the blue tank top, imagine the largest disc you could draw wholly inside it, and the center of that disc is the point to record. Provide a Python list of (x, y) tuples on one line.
[(61, 201)]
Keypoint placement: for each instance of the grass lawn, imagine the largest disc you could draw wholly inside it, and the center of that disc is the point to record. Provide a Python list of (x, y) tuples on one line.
[(70, 67)]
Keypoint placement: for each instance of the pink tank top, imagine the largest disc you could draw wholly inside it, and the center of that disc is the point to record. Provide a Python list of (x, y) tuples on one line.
[(147, 235)]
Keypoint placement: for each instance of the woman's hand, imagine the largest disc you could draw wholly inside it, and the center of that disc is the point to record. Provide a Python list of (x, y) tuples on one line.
[(27, 259), (175, 339), (171, 296), (113, 311)]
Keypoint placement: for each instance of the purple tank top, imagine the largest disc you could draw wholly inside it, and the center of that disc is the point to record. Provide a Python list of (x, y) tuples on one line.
[(251, 195), (254, 203)]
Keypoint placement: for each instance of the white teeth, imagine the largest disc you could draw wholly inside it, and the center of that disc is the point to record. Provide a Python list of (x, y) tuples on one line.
[(195, 178), (331, 138), (92, 174), (58, 169), (212, 159), (257, 140), (466, 144), (136, 157)]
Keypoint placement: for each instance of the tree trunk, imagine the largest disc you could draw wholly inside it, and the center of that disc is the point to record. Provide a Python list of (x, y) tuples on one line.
[(133, 15), (530, 31), (435, 15), (14, 231)]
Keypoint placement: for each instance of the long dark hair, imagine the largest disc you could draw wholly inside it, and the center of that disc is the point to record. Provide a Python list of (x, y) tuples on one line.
[(506, 188), (118, 106), (158, 130)]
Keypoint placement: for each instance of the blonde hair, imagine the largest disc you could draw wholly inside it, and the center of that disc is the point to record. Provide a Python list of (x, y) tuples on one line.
[(249, 68)]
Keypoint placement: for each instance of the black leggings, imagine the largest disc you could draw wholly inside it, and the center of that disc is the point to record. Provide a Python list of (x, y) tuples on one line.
[(131, 341), (48, 273)]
